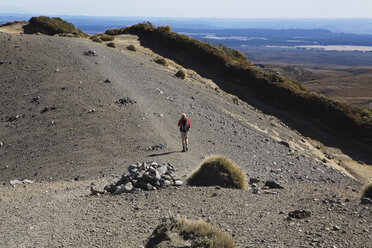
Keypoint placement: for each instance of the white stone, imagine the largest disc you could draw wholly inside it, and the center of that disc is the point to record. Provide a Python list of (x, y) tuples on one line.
[(178, 183), (15, 182)]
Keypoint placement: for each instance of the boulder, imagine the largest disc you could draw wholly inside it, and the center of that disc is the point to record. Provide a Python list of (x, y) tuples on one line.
[(366, 201), (299, 214), (271, 184)]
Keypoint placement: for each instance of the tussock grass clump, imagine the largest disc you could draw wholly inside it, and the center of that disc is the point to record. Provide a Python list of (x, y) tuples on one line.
[(106, 37), (111, 44), (103, 37), (178, 231), (52, 26), (132, 48), (162, 61), (218, 170), (97, 39), (367, 192), (166, 29), (181, 74)]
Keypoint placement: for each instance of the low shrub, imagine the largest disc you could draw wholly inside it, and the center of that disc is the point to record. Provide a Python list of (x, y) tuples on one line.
[(52, 26), (182, 231), (98, 40), (218, 170), (111, 44), (132, 48), (367, 192), (181, 74), (13, 23), (166, 29), (234, 54), (106, 37), (113, 31), (162, 61), (103, 37)]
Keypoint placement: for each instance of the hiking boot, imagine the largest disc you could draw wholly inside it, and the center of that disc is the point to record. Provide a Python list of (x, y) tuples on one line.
[(183, 150), (187, 148)]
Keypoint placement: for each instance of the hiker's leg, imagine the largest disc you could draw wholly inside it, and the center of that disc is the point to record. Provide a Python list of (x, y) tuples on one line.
[(183, 144), (186, 141), (183, 141)]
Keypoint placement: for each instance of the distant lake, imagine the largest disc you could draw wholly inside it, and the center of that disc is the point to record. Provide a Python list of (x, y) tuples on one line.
[(330, 48)]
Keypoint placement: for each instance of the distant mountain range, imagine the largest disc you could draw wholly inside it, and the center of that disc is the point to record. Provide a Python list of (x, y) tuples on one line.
[(91, 24)]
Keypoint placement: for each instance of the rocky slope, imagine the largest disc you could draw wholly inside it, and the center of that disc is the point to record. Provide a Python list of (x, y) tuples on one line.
[(61, 121)]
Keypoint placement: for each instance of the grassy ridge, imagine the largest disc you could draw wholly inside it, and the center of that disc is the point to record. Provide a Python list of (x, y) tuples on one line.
[(338, 116), (13, 23), (52, 26)]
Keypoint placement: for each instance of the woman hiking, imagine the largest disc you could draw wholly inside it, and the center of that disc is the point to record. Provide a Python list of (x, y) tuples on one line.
[(184, 125)]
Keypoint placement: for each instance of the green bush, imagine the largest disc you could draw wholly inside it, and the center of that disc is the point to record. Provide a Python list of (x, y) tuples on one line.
[(162, 61), (367, 192), (111, 44), (181, 231), (132, 48), (218, 170), (181, 74), (52, 26)]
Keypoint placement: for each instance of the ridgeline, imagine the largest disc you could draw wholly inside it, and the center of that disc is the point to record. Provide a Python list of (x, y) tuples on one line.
[(250, 83)]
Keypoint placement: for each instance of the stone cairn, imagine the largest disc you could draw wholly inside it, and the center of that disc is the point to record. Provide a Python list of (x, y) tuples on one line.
[(145, 176)]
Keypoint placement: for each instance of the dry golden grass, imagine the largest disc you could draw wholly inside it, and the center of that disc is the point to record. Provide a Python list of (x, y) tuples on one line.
[(203, 229), (180, 231), (181, 74), (367, 192), (218, 170), (162, 61)]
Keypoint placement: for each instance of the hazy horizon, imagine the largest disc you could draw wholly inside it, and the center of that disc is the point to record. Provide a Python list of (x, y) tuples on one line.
[(240, 9), (101, 23)]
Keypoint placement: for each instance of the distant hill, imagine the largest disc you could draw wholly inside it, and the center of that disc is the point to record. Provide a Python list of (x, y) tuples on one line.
[(91, 24)]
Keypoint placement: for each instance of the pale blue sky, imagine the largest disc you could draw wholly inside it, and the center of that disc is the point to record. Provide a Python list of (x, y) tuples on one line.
[(195, 8)]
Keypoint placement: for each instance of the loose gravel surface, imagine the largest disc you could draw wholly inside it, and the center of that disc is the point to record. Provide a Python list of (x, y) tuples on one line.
[(63, 214), (60, 122)]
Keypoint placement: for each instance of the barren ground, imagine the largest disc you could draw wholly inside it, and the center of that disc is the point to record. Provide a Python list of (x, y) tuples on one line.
[(91, 139)]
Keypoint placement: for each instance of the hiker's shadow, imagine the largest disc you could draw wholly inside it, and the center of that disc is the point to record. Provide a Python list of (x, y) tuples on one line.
[(163, 154)]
